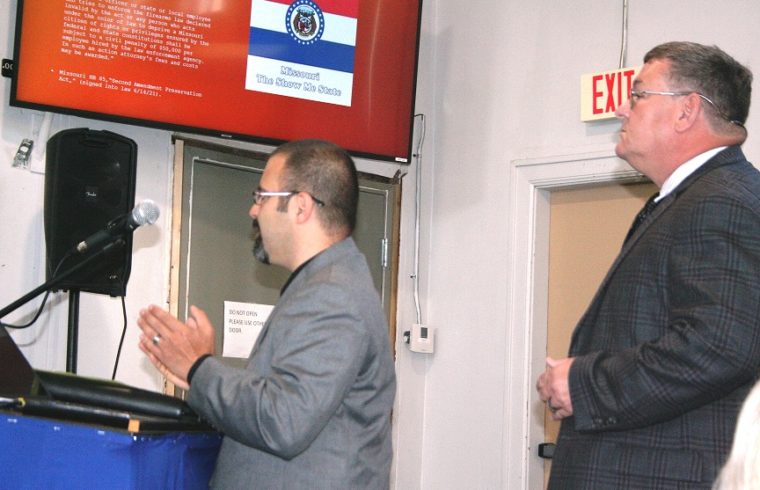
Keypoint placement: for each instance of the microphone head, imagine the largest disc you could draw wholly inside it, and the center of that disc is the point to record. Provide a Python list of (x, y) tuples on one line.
[(145, 213)]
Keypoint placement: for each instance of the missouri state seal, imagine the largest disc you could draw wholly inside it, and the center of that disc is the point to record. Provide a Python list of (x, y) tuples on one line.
[(305, 22)]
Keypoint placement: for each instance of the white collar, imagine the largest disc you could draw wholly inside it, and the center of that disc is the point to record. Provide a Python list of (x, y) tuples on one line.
[(686, 169)]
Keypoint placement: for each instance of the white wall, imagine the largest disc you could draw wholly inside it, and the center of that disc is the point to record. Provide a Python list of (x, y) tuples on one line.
[(498, 82), (505, 80)]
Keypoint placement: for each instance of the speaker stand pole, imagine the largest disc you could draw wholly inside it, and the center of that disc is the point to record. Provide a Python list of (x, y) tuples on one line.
[(73, 335)]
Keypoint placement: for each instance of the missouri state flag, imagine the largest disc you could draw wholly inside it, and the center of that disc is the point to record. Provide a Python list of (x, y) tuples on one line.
[(303, 49)]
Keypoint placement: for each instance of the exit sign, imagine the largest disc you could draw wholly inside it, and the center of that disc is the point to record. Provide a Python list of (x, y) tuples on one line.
[(602, 93)]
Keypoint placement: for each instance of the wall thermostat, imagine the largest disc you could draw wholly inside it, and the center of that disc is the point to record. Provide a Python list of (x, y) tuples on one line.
[(421, 338)]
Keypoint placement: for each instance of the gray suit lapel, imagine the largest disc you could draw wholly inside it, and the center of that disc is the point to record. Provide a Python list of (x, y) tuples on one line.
[(321, 260)]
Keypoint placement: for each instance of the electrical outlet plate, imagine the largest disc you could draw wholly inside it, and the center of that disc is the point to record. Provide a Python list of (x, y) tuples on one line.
[(7, 68), (23, 154)]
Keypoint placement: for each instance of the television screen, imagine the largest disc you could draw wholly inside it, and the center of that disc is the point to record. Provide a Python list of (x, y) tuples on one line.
[(261, 70)]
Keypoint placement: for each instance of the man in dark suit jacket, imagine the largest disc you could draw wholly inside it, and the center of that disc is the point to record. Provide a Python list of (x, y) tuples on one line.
[(312, 407), (669, 347)]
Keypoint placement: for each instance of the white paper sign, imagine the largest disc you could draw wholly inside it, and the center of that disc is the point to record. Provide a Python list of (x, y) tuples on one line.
[(242, 324)]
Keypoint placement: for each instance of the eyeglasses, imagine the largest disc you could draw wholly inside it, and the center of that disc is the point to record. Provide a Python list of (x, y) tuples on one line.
[(640, 94), (259, 196)]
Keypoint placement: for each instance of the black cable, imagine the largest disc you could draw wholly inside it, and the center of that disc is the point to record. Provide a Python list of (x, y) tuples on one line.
[(121, 342), (42, 307), (44, 298), (36, 316)]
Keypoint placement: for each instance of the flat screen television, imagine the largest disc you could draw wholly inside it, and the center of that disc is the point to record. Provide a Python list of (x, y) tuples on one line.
[(262, 70)]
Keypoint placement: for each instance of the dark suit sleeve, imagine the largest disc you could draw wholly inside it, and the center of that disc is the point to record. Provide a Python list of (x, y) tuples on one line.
[(702, 275)]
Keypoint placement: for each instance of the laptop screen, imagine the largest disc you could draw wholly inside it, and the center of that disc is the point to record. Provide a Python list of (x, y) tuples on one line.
[(17, 377)]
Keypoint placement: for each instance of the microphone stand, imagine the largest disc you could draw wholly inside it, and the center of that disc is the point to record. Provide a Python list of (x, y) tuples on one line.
[(73, 331)]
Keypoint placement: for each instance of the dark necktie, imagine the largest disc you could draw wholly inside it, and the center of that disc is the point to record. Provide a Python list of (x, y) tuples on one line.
[(643, 215)]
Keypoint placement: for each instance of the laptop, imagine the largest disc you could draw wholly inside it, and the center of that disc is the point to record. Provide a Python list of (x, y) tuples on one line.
[(68, 396)]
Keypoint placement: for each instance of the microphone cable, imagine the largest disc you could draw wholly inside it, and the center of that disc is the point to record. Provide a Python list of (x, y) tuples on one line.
[(42, 307), (44, 298)]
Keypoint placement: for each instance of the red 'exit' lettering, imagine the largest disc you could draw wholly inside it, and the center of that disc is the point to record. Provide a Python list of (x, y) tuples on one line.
[(611, 92)]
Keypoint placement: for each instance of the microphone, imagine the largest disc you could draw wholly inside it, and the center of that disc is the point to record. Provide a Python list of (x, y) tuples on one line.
[(144, 213)]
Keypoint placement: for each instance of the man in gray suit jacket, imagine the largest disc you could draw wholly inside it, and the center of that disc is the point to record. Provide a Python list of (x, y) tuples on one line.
[(667, 351), (312, 407)]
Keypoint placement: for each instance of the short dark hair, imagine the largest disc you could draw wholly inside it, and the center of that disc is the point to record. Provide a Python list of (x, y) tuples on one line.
[(713, 73), (328, 173)]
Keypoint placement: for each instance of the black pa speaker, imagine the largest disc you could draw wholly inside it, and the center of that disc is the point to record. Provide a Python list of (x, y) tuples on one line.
[(89, 181)]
